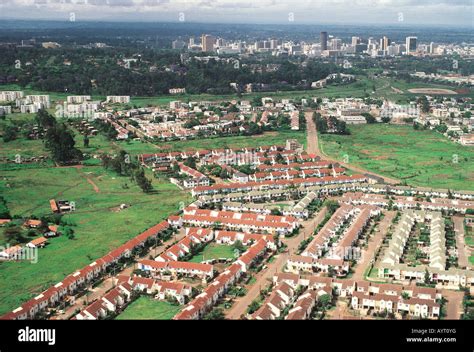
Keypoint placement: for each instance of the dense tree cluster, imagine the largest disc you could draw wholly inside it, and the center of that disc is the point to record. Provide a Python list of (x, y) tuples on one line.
[(126, 71), (330, 125), (123, 165)]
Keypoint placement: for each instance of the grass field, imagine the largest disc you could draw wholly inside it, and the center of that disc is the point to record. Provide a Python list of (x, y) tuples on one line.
[(99, 226), (419, 158), (214, 251), (147, 308)]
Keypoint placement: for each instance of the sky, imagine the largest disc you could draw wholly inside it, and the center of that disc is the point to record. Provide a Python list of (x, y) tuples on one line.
[(384, 12)]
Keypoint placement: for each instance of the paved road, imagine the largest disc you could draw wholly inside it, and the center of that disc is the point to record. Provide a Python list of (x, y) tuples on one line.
[(374, 244), (313, 148), (264, 277), (463, 261)]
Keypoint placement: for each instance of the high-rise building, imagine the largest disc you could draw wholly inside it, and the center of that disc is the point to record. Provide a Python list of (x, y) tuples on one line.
[(385, 43), (411, 45), (355, 41), (207, 42), (324, 40), (273, 44)]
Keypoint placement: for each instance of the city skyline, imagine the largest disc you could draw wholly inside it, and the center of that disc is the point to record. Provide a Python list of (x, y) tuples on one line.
[(383, 12)]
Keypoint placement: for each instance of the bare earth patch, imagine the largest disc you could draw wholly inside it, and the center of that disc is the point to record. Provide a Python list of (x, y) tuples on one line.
[(433, 91)]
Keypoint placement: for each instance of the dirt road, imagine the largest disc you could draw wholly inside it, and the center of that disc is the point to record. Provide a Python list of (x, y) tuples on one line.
[(454, 306)]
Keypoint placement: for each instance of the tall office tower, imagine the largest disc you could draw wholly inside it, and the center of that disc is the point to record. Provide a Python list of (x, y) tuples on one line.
[(207, 42), (411, 45), (335, 44), (385, 43), (273, 43), (355, 41), (324, 40)]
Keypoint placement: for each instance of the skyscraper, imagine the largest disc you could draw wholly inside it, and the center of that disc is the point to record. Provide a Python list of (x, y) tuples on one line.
[(411, 45), (207, 42), (324, 40), (385, 43)]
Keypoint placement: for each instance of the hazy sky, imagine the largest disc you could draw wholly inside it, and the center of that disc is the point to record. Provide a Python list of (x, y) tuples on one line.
[(392, 12)]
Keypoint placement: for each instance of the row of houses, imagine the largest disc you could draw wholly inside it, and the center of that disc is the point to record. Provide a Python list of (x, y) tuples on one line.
[(292, 174), (165, 270), (309, 165), (408, 202), (451, 278), (116, 299), (204, 302), (205, 155), (273, 306), (247, 239), (246, 222), (401, 233), (320, 244), (79, 280), (194, 237), (277, 184), (415, 301), (332, 189), (437, 247), (301, 263), (195, 179), (110, 303)]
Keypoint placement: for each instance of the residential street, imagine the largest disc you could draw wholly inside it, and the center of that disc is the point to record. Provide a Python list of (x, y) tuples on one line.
[(463, 255), (265, 276), (374, 243)]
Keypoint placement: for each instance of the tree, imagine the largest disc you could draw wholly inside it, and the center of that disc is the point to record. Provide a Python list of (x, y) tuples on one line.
[(427, 277), (369, 117), (4, 211), (60, 141), (325, 301), (239, 246), (44, 119), (424, 104), (215, 314), (143, 182), (190, 162), (14, 235), (9, 134)]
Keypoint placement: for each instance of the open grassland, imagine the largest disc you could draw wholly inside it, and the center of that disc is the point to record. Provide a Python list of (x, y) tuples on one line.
[(100, 226), (147, 308), (418, 158)]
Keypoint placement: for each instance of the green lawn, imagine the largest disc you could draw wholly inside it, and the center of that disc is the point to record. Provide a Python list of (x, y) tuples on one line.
[(99, 226), (214, 251), (147, 308), (419, 158), (471, 259)]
